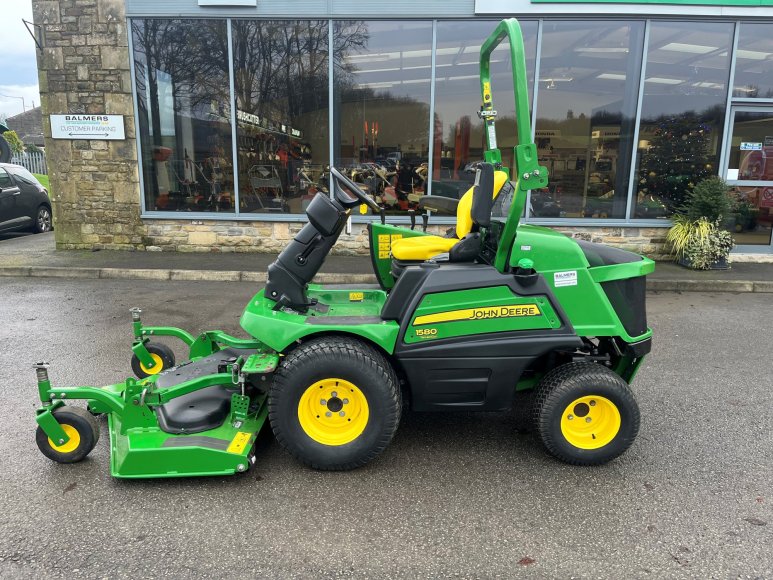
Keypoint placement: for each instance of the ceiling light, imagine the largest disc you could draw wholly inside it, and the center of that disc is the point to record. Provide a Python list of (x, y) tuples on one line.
[(691, 48), (662, 81), (752, 54), (615, 49), (375, 70), (611, 76)]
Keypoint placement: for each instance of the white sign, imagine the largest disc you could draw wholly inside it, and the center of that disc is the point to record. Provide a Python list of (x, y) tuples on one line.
[(565, 278), (94, 127), (749, 146), (492, 136)]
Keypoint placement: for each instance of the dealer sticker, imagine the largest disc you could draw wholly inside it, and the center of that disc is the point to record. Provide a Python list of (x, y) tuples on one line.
[(565, 278)]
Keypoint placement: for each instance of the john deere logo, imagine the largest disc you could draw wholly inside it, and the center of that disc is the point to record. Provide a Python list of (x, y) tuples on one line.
[(504, 311)]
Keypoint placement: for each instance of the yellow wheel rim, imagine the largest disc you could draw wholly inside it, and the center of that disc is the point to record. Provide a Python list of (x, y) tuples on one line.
[(157, 367), (590, 422), (333, 412), (72, 444)]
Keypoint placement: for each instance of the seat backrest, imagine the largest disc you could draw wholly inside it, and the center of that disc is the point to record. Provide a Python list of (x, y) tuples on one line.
[(464, 209)]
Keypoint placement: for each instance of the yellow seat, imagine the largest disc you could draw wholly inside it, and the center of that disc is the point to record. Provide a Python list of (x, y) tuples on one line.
[(421, 248)]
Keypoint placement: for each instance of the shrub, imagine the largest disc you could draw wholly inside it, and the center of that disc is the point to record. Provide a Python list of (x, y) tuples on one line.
[(709, 199)]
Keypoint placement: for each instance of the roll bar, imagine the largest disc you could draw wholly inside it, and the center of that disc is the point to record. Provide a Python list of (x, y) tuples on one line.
[(527, 173)]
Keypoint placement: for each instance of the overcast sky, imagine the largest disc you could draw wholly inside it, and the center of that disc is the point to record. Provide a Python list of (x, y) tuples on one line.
[(18, 68)]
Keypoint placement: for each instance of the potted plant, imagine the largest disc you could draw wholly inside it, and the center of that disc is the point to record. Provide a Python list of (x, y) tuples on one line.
[(697, 239)]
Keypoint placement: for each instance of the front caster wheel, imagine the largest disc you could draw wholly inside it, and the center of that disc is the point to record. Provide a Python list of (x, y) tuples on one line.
[(585, 414), (161, 354), (334, 403), (80, 427)]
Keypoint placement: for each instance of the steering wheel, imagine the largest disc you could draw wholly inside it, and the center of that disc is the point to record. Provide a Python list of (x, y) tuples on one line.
[(356, 191)]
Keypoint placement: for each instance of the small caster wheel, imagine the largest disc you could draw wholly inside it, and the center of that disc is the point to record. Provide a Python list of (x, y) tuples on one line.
[(80, 427), (585, 414), (161, 354)]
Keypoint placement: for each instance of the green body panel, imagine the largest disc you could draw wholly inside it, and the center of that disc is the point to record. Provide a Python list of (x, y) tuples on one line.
[(278, 328), (480, 311), (382, 236), (585, 303), (148, 452)]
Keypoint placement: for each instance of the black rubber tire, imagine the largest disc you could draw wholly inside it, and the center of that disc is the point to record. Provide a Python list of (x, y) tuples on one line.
[(162, 350), (43, 220), (86, 426), (571, 381), (523, 411), (348, 359)]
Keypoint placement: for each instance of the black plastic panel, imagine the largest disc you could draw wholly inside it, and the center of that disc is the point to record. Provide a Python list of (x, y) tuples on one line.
[(601, 255), (628, 298)]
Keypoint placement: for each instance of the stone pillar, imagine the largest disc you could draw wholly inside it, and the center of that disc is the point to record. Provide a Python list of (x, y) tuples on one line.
[(83, 68)]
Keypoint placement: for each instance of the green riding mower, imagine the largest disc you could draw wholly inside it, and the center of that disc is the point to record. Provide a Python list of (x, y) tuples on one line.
[(495, 316)]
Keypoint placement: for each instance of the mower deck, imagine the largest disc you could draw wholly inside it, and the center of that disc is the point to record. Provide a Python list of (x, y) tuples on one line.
[(145, 452)]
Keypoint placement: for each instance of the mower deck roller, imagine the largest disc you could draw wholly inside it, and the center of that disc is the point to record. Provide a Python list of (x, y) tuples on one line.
[(501, 316)]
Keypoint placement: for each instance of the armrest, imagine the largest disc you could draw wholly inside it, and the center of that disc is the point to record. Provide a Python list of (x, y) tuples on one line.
[(439, 204)]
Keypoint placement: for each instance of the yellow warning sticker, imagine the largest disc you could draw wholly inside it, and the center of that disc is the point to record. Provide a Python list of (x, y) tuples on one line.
[(356, 296), (239, 442), (385, 245), (486, 91), (504, 311)]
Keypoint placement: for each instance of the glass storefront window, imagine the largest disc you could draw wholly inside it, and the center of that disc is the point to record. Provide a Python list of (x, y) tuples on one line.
[(683, 112), (750, 170), (281, 85), (459, 138), (382, 75), (586, 106), (754, 62), (184, 124)]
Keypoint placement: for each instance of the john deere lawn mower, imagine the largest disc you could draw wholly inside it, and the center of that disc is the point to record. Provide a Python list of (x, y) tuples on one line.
[(495, 316)]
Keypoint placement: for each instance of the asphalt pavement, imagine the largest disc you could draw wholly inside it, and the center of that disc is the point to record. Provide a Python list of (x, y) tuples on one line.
[(454, 495)]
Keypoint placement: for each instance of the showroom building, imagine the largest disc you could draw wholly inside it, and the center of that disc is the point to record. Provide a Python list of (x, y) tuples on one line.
[(233, 110)]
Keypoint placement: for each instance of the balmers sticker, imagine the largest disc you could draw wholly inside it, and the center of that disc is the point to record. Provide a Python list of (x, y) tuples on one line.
[(504, 311), (565, 278)]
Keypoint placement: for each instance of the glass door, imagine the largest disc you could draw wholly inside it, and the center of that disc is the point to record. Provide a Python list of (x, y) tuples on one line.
[(748, 169)]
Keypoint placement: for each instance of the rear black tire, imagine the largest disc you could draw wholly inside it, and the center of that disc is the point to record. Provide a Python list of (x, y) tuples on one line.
[(555, 397), (43, 220), (165, 354), (71, 418), (349, 360)]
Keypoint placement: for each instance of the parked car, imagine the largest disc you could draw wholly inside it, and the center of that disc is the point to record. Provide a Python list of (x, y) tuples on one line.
[(24, 202)]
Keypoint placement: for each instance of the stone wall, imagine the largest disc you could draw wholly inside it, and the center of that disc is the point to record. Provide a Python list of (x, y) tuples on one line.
[(83, 68), (241, 236)]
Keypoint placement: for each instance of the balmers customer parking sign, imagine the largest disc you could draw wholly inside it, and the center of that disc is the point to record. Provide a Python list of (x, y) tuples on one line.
[(87, 127)]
